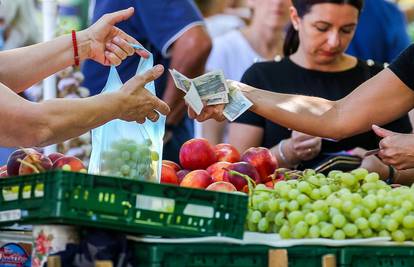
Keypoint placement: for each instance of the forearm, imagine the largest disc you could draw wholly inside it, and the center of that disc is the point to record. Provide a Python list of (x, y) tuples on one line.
[(57, 120), (197, 41), (20, 68), (404, 177), (310, 115)]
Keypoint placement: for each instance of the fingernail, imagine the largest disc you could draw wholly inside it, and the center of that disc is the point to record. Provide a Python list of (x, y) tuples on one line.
[(116, 39), (158, 68)]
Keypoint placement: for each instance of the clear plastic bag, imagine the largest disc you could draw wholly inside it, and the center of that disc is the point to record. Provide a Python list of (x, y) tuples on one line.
[(128, 149)]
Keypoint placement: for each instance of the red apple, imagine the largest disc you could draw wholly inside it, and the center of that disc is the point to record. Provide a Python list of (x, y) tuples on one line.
[(227, 152), (181, 174), (262, 159), (55, 156), (217, 171), (69, 163), (222, 187), (197, 154), (172, 164), (13, 162), (34, 163), (197, 179), (168, 175), (244, 168)]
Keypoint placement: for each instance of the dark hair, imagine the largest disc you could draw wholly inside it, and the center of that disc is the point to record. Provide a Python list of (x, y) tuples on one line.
[(303, 7)]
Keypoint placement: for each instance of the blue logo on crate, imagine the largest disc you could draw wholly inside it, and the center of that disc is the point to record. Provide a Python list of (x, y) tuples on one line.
[(13, 255)]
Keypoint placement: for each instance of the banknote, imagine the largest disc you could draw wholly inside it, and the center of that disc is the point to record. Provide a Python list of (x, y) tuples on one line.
[(193, 99), (237, 105), (181, 81), (211, 84)]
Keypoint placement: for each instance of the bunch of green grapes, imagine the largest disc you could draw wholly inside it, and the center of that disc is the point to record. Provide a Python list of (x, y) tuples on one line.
[(340, 206), (127, 158)]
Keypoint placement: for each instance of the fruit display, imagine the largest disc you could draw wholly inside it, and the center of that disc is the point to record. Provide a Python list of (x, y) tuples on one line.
[(26, 161), (130, 159), (219, 167), (338, 206)]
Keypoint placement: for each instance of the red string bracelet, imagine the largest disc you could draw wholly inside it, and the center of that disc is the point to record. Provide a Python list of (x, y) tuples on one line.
[(75, 48)]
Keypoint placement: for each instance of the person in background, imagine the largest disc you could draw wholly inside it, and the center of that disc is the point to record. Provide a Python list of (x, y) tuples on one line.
[(27, 124), (318, 67), (174, 32), (217, 21), (381, 34), (235, 51)]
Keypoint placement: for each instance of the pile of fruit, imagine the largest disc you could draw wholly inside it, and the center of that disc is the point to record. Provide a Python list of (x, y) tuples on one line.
[(31, 160), (219, 167), (338, 206)]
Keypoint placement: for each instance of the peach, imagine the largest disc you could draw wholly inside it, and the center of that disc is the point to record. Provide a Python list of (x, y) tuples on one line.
[(69, 163), (197, 154), (34, 163), (55, 156), (227, 152), (181, 174), (217, 171), (244, 168), (197, 179), (172, 164), (262, 159), (168, 175), (222, 187)]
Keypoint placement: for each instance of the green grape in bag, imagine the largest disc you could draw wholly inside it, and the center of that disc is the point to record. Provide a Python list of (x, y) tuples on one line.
[(128, 149)]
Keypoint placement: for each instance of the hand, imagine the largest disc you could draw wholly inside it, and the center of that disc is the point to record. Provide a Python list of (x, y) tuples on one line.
[(208, 112), (303, 147), (137, 103), (109, 44), (396, 149), (371, 163)]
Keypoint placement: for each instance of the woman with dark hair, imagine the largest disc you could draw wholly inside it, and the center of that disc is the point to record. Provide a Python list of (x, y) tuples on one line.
[(315, 64)]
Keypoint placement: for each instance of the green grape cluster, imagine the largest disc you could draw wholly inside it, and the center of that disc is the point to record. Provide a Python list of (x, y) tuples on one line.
[(127, 158), (338, 206)]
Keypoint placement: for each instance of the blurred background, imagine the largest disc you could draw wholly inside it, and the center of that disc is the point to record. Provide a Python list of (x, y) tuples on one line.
[(26, 22)]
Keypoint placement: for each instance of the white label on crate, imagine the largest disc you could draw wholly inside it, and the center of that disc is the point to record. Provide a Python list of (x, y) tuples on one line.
[(10, 215)]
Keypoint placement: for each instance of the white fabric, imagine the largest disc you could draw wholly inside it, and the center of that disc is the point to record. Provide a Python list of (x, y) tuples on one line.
[(232, 54), (220, 24)]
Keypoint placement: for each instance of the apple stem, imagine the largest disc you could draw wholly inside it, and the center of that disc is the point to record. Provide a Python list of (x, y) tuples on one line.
[(33, 167)]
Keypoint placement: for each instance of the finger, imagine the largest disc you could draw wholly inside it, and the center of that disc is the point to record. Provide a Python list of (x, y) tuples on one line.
[(140, 120), (121, 54), (191, 113), (112, 59), (124, 45), (381, 132), (310, 143), (129, 39), (148, 76), (153, 116), (161, 106), (118, 16), (359, 152)]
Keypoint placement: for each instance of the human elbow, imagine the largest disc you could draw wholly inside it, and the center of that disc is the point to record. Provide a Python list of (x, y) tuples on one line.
[(199, 42)]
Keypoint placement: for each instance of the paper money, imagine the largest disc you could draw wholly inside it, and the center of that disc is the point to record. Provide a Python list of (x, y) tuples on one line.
[(193, 99), (181, 81), (237, 105)]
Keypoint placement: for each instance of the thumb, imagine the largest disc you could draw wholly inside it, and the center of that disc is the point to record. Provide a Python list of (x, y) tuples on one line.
[(118, 16), (148, 76), (381, 132)]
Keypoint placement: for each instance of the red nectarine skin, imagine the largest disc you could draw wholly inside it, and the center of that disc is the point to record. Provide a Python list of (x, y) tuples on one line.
[(74, 163), (13, 163), (262, 159), (181, 174), (222, 187), (55, 156), (197, 179), (168, 175), (217, 171), (245, 168), (227, 152), (172, 164), (197, 154)]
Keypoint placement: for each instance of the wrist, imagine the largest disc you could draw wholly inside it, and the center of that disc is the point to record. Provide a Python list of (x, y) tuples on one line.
[(84, 44), (285, 155)]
